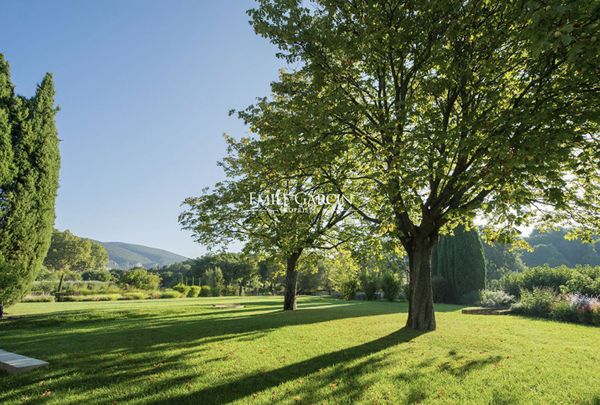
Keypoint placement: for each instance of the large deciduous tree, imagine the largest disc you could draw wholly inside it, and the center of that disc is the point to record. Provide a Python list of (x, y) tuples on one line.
[(29, 168), (452, 109)]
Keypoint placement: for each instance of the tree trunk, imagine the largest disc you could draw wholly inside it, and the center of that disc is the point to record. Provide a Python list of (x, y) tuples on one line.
[(291, 282), (420, 303), (1, 309)]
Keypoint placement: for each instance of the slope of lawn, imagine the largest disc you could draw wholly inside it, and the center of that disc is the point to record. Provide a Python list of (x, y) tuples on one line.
[(186, 351)]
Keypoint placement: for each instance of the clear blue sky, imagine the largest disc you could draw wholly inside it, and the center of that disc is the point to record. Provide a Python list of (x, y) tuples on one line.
[(144, 88)]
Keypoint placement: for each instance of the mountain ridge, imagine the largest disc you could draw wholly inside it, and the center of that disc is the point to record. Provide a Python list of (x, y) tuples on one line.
[(124, 256)]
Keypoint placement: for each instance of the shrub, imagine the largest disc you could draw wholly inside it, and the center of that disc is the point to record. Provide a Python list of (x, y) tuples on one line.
[(537, 302), (182, 288), (511, 283), (579, 280), (230, 290), (97, 275), (194, 291), (495, 299), (390, 284), (79, 298), (585, 280), (170, 294), (141, 279), (349, 288), (563, 311), (89, 288), (44, 286), (205, 291), (136, 295), (38, 298), (584, 306), (369, 282), (152, 295), (596, 316)]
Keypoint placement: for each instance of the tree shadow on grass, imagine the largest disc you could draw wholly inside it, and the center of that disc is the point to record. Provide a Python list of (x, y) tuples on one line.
[(257, 382), (109, 347)]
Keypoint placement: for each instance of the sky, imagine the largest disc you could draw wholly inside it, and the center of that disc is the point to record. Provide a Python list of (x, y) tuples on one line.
[(144, 89)]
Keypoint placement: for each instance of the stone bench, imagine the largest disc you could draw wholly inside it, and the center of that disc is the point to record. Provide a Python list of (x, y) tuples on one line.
[(15, 363)]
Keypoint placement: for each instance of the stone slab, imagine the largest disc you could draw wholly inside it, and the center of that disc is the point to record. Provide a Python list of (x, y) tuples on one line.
[(15, 363)]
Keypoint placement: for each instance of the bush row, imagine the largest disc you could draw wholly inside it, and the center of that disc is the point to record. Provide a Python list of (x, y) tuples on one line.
[(565, 280), (544, 302)]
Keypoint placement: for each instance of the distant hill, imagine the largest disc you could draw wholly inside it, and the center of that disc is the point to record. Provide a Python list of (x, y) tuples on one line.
[(127, 255)]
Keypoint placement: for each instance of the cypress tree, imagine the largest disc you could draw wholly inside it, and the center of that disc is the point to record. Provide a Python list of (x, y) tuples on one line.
[(458, 266), (29, 169)]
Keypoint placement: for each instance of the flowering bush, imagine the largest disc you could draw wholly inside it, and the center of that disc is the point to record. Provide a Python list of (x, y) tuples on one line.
[(495, 299), (584, 306)]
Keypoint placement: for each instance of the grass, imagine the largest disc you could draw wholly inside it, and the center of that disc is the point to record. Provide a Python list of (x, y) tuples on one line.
[(185, 351)]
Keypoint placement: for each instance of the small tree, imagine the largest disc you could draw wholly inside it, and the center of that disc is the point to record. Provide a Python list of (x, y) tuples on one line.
[(259, 204), (214, 279), (141, 278)]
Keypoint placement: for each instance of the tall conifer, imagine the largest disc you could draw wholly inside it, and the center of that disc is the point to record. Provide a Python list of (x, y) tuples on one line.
[(29, 169)]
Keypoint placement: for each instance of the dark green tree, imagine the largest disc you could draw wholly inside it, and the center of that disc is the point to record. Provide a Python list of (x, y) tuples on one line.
[(500, 260), (459, 260), (29, 169)]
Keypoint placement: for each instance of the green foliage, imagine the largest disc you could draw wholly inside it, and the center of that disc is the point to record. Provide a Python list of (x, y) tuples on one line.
[(137, 295), (214, 279), (97, 275), (29, 169), (344, 274), (459, 261), (369, 283), (501, 260), (348, 288), (170, 294), (70, 252), (391, 284), (563, 311), (205, 291), (554, 249), (584, 280), (182, 288), (448, 110), (194, 291), (140, 278), (537, 302), (537, 277)]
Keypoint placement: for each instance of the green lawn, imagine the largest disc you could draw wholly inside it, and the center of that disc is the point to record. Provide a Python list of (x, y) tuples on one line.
[(185, 351)]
